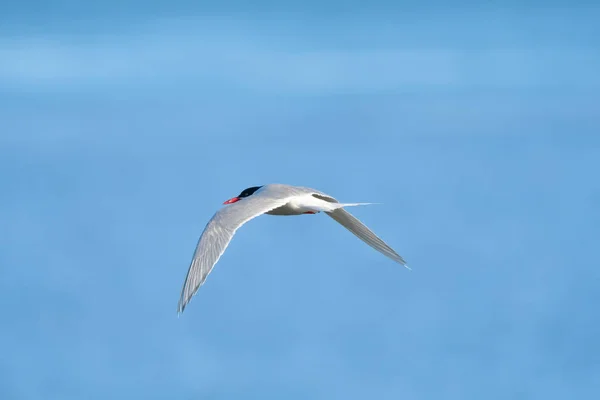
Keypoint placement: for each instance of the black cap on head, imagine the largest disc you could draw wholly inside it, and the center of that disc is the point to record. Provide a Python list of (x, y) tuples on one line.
[(248, 192)]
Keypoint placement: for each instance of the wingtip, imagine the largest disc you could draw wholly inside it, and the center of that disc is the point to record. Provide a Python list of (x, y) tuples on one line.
[(403, 263)]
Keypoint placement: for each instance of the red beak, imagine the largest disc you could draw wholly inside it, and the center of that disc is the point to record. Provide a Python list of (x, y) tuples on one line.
[(232, 200)]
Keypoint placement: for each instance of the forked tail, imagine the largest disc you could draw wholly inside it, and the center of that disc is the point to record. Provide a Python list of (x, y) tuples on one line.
[(340, 205)]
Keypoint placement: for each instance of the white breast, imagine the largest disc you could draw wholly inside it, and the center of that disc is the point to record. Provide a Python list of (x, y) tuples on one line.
[(301, 204), (307, 202)]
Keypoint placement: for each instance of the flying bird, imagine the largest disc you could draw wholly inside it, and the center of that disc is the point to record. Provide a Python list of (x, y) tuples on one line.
[(272, 199)]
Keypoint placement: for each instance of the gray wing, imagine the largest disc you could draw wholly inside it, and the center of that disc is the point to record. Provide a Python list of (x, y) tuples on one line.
[(360, 230), (218, 233)]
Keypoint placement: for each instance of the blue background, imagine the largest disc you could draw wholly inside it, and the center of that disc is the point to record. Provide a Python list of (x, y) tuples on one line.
[(124, 126)]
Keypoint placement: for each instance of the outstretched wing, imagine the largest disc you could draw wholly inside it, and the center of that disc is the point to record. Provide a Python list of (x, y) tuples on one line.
[(218, 233), (360, 230)]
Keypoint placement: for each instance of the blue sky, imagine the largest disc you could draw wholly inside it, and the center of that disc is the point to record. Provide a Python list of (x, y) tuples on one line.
[(123, 129)]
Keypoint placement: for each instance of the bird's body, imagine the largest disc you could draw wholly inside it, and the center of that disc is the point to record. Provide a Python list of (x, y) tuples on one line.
[(272, 199), (302, 201)]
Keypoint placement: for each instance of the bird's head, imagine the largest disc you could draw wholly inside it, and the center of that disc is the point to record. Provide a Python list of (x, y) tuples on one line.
[(245, 193)]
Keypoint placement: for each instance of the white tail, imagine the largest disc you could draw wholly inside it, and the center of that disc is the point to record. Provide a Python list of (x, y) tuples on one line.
[(340, 205)]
